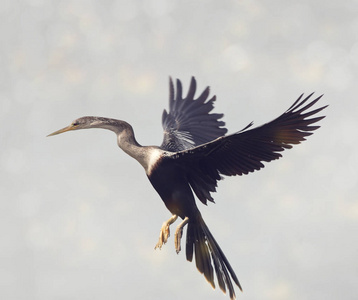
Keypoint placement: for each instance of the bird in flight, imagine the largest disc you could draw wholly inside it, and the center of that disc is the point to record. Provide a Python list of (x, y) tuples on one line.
[(193, 157)]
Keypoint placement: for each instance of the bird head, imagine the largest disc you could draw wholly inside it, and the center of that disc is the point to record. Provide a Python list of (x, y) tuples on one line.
[(81, 123), (117, 126)]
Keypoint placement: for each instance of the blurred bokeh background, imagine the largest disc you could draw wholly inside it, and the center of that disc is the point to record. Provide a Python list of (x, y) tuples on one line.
[(79, 219)]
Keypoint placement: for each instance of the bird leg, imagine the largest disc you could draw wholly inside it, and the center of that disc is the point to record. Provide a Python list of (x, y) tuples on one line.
[(165, 232), (179, 233)]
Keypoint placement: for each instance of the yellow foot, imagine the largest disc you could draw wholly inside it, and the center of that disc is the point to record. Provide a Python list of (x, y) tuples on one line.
[(179, 234), (165, 232)]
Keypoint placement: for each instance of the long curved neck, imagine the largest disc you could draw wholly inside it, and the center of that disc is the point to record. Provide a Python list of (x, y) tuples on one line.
[(127, 142), (125, 136), (124, 131), (146, 156)]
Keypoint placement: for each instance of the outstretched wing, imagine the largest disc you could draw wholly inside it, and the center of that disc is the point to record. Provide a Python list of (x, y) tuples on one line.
[(245, 151), (189, 122)]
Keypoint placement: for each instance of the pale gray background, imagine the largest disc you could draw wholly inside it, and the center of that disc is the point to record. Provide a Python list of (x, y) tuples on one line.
[(79, 219)]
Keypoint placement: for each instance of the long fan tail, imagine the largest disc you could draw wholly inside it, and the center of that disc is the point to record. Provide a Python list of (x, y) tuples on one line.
[(200, 241)]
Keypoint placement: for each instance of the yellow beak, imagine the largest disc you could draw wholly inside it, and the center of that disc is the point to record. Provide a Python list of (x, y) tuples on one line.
[(68, 128)]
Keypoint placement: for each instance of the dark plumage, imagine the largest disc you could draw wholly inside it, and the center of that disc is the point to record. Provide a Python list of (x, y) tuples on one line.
[(195, 154)]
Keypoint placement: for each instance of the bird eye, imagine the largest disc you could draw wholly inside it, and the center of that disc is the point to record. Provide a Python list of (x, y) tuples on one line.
[(75, 123)]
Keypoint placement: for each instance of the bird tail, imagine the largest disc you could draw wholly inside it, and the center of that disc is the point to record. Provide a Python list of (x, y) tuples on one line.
[(200, 241)]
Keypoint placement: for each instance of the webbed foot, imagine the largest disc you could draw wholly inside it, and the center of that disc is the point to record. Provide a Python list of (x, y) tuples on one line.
[(179, 233), (165, 232)]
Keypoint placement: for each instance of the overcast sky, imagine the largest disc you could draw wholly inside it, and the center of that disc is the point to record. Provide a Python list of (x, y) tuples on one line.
[(78, 217)]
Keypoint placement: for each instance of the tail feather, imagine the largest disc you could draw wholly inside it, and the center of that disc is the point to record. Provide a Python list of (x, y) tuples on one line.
[(202, 256), (200, 241)]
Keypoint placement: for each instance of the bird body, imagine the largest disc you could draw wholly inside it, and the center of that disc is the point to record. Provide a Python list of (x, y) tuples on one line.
[(176, 193), (194, 156)]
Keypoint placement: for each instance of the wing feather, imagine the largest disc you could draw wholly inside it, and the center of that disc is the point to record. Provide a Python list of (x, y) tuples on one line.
[(245, 151), (189, 122)]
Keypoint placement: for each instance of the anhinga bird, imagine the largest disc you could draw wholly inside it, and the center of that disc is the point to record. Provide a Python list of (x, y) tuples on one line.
[(194, 155)]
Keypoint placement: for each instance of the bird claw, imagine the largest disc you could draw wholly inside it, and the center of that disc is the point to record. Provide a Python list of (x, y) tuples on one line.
[(165, 232), (177, 239), (178, 234), (163, 236)]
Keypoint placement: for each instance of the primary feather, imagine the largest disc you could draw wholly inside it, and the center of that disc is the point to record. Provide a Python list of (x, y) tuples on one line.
[(189, 122), (245, 151)]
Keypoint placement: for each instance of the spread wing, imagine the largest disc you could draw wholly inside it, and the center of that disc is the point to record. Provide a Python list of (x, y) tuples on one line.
[(189, 122), (245, 151)]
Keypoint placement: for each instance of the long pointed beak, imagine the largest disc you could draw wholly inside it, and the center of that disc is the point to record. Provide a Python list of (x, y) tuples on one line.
[(68, 128)]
